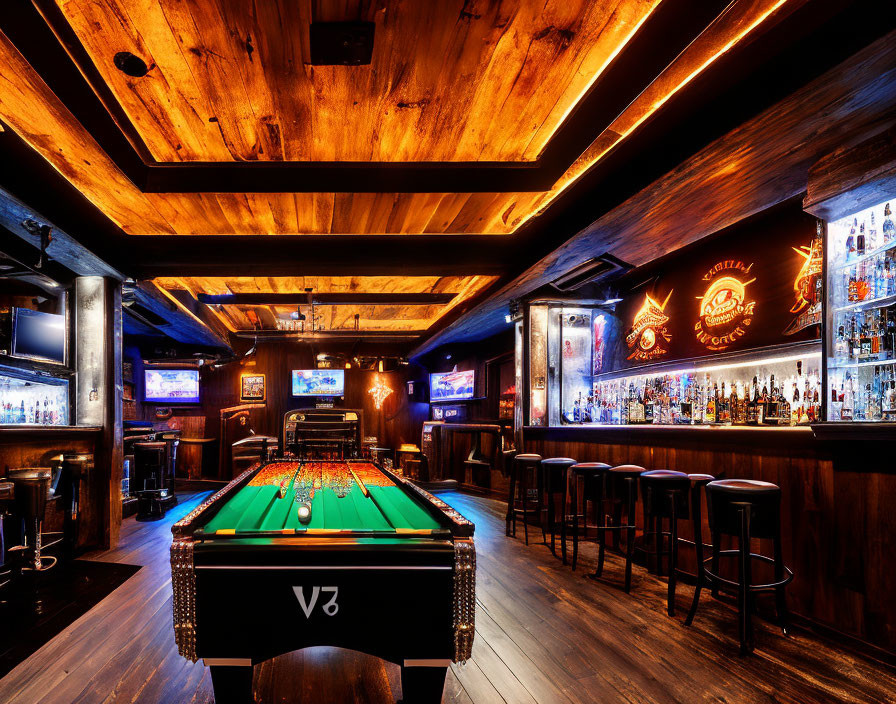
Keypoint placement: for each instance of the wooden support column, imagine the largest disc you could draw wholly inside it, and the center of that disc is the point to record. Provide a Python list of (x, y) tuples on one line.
[(98, 393)]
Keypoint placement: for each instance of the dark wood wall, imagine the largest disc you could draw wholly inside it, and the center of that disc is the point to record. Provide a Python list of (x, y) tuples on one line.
[(486, 358), (839, 530), (398, 421)]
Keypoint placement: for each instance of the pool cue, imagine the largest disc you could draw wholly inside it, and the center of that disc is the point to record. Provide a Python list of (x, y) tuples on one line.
[(366, 492), (364, 489)]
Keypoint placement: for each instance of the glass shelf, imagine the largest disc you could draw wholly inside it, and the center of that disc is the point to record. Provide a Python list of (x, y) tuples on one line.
[(869, 363), (868, 303), (865, 257)]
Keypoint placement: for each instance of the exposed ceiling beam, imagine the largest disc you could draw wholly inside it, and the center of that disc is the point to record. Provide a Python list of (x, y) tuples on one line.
[(328, 299)]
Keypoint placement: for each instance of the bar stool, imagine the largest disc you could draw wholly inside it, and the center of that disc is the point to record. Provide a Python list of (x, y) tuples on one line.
[(747, 509), (150, 469), (520, 468), (592, 475), (698, 484), (622, 490), (32, 487), (665, 496), (554, 471)]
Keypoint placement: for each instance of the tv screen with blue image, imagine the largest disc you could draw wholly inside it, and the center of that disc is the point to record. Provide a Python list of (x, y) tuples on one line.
[(451, 386), (318, 382)]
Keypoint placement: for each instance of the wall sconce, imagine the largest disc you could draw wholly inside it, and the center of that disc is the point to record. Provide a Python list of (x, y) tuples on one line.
[(380, 392)]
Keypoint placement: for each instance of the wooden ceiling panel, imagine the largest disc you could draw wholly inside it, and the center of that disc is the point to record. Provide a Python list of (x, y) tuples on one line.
[(332, 317), (453, 80)]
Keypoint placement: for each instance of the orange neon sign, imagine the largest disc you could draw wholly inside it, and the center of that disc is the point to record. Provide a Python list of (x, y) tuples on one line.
[(725, 314), (648, 337)]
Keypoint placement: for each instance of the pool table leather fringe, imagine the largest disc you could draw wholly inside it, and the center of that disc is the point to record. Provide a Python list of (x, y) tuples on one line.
[(183, 576), (464, 598), (183, 586)]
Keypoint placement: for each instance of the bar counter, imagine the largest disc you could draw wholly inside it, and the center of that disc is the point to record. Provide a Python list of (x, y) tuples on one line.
[(839, 486)]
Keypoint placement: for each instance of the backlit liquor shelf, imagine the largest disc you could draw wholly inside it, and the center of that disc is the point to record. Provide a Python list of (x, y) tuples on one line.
[(740, 331)]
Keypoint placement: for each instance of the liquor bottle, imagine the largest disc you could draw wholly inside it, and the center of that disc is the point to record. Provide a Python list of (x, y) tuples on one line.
[(710, 405), (846, 398), (734, 406), (852, 287), (841, 348), (890, 280), (888, 229), (860, 241), (753, 404), (851, 242), (880, 279), (871, 240), (784, 408)]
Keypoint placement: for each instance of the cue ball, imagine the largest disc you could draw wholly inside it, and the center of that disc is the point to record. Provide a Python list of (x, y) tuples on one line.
[(304, 513)]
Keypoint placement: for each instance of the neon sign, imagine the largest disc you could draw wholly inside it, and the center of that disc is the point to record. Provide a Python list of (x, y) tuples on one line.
[(806, 287), (380, 392), (649, 337), (725, 314)]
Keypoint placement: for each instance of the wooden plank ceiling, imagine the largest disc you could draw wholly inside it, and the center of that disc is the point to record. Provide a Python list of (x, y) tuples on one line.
[(229, 81), (452, 80), (392, 318)]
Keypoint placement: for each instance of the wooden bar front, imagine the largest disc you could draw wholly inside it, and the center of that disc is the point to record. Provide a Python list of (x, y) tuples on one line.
[(838, 516)]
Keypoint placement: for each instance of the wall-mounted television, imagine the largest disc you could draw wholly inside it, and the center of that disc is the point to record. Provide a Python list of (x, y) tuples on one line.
[(318, 382), (168, 385), (38, 336), (451, 386)]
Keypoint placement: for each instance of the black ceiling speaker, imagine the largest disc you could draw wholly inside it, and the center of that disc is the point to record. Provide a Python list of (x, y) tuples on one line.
[(341, 43)]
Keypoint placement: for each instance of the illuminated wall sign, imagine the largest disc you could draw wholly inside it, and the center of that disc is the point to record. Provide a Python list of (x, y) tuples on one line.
[(807, 287), (725, 313), (648, 337)]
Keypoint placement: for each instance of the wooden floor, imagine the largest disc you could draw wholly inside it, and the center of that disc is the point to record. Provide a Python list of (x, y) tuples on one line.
[(543, 634)]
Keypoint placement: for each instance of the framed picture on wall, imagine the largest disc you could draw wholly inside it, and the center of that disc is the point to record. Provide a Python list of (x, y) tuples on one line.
[(252, 387)]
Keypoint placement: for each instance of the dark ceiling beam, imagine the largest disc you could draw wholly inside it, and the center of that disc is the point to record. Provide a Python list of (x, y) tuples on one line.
[(330, 335), (328, 299), (49, 44), (63, 248), (32, 35)]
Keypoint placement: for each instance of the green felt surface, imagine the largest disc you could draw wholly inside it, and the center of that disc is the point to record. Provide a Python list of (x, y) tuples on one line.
[(258, 508)]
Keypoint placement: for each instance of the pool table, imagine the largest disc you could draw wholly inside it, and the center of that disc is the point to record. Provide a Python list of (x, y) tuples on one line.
[(298, 553)]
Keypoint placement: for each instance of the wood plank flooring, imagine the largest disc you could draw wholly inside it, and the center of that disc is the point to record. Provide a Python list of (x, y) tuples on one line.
[(543, 634)]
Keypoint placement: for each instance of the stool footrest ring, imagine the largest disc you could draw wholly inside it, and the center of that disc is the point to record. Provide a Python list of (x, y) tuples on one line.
[(753, 587)]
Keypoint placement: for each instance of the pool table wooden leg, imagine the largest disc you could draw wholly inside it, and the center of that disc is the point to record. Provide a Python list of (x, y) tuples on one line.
[(422, 684), (232, 684)]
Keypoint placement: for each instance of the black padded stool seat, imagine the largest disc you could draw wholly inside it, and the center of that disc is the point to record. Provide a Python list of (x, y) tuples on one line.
[(698, 478), (520, 467), (747, 509), (32, 488), (622, 491), (555, 470), (592, 475)]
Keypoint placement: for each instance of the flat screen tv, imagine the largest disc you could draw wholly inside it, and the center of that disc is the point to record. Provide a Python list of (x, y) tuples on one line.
[(451, 386), (38, 336), (171, 386), (318, 382)]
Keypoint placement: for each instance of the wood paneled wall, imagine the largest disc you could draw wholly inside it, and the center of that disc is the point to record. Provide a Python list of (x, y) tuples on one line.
[(838, 525), (485, 358), (398, 421)]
